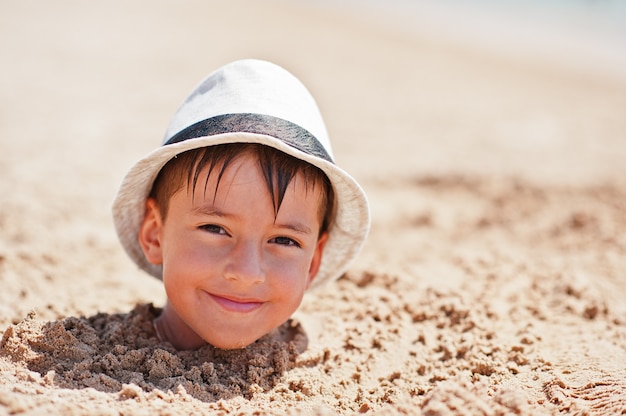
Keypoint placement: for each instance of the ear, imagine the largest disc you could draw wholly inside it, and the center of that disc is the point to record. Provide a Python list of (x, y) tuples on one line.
[(150, 233), (317, 257)]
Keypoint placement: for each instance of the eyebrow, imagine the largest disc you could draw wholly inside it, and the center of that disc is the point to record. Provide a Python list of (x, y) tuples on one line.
[(298, 227), (207, 210), (295, 226)]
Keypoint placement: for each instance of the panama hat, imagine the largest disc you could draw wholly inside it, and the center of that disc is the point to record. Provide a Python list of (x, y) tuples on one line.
[(249, 101)]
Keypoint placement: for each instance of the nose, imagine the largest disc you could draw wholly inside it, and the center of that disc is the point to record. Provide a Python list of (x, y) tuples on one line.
[(245, 264)]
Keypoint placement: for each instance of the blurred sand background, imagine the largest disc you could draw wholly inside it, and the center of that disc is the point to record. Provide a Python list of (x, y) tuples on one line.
[(494, 276)]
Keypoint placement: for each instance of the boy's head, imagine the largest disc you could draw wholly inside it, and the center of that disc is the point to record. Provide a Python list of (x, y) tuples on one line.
[(244, 185), (240, 231)]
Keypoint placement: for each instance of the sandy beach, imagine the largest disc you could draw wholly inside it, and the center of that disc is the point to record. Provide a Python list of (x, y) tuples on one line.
[(494, 277)]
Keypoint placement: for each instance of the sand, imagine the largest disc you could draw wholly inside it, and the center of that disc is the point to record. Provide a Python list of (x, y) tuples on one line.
[(493, 278)]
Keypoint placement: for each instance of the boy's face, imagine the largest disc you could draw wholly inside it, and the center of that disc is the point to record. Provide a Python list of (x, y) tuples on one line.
[(231, 269)]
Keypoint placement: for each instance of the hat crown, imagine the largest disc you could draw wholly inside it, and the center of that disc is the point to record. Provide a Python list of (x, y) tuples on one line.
[(251, 86)]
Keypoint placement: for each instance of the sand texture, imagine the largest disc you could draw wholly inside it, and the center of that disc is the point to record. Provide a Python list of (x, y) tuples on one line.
[(492, 283)]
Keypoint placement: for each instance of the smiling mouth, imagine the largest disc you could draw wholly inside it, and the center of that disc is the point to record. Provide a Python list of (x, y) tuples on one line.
[(236, 305)]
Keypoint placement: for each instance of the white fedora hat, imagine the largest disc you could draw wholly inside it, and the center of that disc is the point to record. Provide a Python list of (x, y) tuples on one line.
[(249, 101)]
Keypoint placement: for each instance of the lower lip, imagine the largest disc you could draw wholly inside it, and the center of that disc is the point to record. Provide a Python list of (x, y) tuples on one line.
[(234, 306)]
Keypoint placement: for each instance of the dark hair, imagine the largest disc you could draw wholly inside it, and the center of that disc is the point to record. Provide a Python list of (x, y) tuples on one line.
[(278, 169)]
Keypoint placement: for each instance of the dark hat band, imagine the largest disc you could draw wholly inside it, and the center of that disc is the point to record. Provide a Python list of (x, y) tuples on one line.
[(286, 131)]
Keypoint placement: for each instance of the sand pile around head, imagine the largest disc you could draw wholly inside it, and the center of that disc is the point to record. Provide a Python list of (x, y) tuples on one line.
[(107, 352)]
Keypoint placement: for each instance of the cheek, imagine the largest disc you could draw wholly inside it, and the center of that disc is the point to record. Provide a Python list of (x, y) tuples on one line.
[(188, 253), (290, 280), (287, 267), (183, 266)]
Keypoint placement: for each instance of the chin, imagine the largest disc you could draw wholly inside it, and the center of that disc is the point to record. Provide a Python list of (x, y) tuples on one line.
[(231, 344)]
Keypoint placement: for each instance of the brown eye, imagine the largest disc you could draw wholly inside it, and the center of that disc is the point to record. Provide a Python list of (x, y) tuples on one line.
[(213, 229), (285, 241)]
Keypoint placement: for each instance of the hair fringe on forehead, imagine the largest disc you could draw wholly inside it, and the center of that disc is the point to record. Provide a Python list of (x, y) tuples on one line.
[(278, 170)]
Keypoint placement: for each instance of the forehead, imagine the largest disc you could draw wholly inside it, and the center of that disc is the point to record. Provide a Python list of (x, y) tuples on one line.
[(245, 173)]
